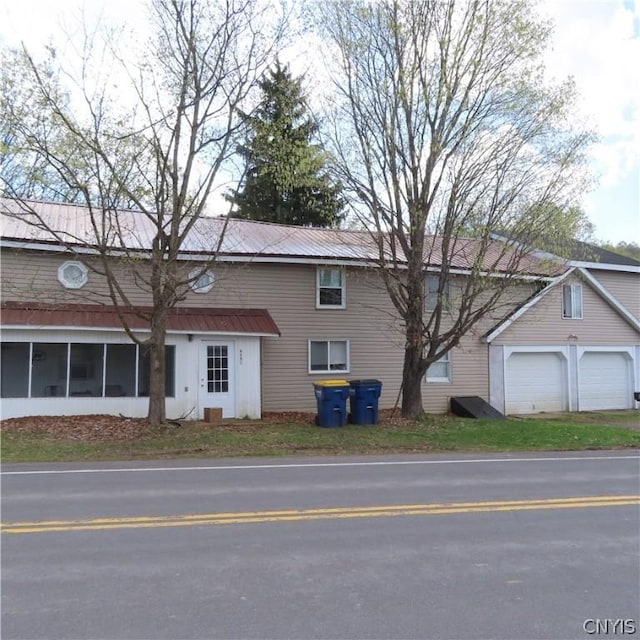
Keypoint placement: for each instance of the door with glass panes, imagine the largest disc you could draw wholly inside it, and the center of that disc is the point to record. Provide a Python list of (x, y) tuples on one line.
[(217, 379)]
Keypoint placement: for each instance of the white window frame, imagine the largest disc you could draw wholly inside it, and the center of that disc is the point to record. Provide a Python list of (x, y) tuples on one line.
[(343, 288), (328, 343), (196, 274), (574, 310), (72, 284), (445, 359), (432, 282)]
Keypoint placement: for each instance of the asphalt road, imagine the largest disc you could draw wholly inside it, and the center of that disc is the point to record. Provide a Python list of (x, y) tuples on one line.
[(527, 546)]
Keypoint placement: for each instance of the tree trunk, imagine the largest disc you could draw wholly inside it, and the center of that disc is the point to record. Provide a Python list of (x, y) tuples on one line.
[(157, 363), (413, 369), (412, 385)]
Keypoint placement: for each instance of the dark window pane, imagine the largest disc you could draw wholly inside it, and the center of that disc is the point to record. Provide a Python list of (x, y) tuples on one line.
[(144, 371), (170, 371), (121, 370), (85, 374), (330, 296), (49, 369), (14, 369)]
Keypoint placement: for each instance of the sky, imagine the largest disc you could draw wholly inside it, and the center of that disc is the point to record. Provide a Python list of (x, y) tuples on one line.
[(597, 42)]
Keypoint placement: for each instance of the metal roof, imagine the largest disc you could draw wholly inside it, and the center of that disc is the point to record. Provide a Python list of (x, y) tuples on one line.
[(134, 230), (72, 224), (182, 319)]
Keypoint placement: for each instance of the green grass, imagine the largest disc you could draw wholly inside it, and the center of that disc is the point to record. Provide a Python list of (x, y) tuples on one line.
[(433, 434)]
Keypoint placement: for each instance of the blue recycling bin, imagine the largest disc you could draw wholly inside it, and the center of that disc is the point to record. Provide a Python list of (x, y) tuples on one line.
[(331, 396), (364, 398)]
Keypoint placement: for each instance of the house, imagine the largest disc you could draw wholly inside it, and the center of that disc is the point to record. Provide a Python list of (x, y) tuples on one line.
[(284, 307)]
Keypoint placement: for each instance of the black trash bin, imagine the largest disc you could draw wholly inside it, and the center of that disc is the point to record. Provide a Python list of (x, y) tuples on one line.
[(331, 397), (364, 401)]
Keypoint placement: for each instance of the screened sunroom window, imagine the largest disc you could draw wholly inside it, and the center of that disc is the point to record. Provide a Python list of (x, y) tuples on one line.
[(61, 369), (14, 370), (49, 362)]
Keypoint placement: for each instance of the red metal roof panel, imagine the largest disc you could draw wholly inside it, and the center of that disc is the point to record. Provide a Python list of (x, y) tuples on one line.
[(181, 319)]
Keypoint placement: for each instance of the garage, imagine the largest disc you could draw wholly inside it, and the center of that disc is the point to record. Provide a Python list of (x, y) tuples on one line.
[(605, 381), (535, 382)]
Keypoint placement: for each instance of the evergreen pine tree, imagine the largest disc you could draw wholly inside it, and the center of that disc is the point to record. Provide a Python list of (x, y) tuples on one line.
[(286, 179)]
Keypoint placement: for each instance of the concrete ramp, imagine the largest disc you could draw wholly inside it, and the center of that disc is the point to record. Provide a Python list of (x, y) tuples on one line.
[(473, 407)]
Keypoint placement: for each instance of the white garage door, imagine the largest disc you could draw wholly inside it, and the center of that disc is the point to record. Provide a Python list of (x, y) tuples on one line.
[(605, 381), (535, 382)]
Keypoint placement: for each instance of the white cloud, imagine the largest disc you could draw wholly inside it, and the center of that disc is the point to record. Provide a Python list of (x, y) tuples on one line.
[(597, 42)]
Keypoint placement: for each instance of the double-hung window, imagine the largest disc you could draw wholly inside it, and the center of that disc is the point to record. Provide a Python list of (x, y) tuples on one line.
[(432, 285), (572, 301), (328, 356), (330, 289), (440, 370)]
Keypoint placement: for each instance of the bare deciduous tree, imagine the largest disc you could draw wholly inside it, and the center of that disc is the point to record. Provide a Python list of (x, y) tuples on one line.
[(445, 134), (154, 136)]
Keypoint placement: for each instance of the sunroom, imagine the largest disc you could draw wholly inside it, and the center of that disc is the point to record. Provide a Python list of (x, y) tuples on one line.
[(77, 359)]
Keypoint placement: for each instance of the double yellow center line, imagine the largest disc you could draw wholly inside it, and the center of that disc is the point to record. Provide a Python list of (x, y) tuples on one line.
[(296, 515)]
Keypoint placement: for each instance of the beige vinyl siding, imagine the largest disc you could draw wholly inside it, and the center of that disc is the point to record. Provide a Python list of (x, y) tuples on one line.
[(469, 362), (543, 324), (288, 291), (33, 275), (625, 287), (469, 365)]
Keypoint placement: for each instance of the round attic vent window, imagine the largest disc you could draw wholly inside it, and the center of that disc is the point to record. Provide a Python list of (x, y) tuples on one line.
[(202, 281), (73, 274)]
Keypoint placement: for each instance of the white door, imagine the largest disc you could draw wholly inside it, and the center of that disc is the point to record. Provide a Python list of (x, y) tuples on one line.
[(535, 382), (605, 381), (217, 378)]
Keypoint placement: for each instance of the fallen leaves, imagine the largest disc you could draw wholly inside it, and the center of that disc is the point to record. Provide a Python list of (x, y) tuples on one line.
[(108, 428), (89, 428)]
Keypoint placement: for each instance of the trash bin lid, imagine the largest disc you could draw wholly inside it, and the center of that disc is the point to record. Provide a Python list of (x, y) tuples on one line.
[(364, 382), (331, 383)]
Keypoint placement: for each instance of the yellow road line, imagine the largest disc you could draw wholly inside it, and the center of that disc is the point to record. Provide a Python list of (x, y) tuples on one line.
[(293, 515)]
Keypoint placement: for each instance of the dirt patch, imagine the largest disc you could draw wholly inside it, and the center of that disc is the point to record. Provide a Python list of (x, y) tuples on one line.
[(282, 417)]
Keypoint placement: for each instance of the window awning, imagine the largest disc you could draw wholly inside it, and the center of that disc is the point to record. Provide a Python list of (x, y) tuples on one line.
[(256, 322)]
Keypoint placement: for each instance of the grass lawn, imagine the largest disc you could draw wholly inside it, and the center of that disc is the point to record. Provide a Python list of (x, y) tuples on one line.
[(561, 432)]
